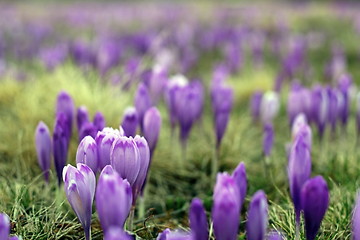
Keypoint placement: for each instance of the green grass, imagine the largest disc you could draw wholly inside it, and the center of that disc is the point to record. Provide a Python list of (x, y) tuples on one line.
[(40, 211)]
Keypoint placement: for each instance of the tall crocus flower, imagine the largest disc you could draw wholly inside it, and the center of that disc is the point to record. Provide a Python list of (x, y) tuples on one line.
[(240, 178), (142, 102), (4, 226), (130, 121), (157, 82), (356, 219), (87, 129), (295, 102), (82, 117), (43, 148), (333, 107), (257, 222), (113, 199), (255, 105), (299, 170), (79, 185), (222, 103), (87, 153), (301, 127), (344, 84), (315, 202), (144, 156), (172, 88), (60, 145), (104, 141), (151, 127), (65, 105), (320, 108), (226, 208), (99, 121), (125, 158), (269, 108), (117, 233), (198, 220), (268, 139)]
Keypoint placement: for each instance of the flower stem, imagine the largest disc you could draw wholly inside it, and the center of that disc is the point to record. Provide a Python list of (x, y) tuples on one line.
[(131, 218), (215, 165)]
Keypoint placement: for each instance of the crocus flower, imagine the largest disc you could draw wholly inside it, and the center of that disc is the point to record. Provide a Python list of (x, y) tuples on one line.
[(43, 148), (157, 82), (164, 234), (87, 153), (333, 107), (144, 156), (226, 208), (222, 103), (82, 117), (268, 140), (240, 178), (174, 235), (104, 141), (255, 105), (99, 121), (151, 127), (295, 102), (60, 145), (116, 233), (125, 158), (65, 105), (113, 199), (142, 102), (356, 219), (4, 226), (301, 127), (344, 84), (130, 121), (79, 185), (315, 202), (198, 220), (257, 222), (320, 108), (275, 235), (299, 170), (87, 129), (269, 108)]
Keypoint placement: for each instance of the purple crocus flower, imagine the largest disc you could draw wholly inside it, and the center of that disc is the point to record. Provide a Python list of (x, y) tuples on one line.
[(240, 178), (144, 155), (4, 226), (269, 107), (174, 235), (333, 107), (79, 185), (171, 90), (99, 121), (299, 170), (257, 222), (275, 235), (104, 141), (65, 104), (315, 202), (151, 127), (222, 103), (268, 140), (226, 208), (164, 234), (110, 190), (43, 148), (320, 108), (157, 82), (125, 158), (142, 102), (198, 220), (356, 219), (130, 121), (255, 105), (344, 84), (87, 153), (108, 55), (60, 145), (295, 102), (82, 117), (116, 233), (87, 129)]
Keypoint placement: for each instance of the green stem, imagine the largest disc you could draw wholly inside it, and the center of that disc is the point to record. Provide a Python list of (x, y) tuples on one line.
[(142, 206), (131, 219), (215, 164)]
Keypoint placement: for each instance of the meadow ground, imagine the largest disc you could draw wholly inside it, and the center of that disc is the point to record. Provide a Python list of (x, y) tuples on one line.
[(40, 211)]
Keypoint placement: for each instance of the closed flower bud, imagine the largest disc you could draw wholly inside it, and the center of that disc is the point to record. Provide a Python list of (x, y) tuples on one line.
[(79, 185), (240, 178), (60, 145), (4, 226), (152, 126), (82, 117), (320, 108), (198, 220), (125, 158), (87, 129), (65, 105), (104, 140), (255, 105), (130, 122), (142, 102), (99, 121), (226, 208), (257, 222), (315, 202), (356, 219), (270, 105), (113, 199), (268, 139), (87, 153), (43, 148)]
